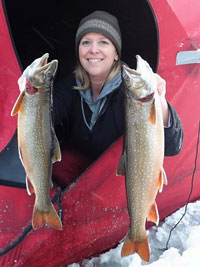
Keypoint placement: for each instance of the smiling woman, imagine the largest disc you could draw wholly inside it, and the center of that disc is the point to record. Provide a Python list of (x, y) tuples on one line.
[(37, 27), (44, 26), (92, 117)]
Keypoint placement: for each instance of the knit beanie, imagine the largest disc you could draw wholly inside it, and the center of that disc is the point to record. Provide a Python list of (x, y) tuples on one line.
[(100, 22)]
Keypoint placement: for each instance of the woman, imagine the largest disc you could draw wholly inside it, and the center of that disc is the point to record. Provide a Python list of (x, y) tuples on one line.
[(88, 105)]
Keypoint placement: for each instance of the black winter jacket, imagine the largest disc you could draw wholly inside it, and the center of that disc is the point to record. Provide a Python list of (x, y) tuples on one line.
[(72, 130)]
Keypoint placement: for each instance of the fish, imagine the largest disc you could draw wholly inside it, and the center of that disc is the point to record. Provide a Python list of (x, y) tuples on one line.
[(142, 157), (37, 142)]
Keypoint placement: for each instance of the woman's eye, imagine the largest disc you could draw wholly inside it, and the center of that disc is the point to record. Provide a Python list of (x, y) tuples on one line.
[(104, 42), (85, 42)]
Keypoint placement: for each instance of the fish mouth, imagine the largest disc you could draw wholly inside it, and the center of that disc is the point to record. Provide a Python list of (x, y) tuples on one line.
[(36, 66), (43, 65), (46, 66), (131, 75), (40, 72), (128, 70), (44, 59)]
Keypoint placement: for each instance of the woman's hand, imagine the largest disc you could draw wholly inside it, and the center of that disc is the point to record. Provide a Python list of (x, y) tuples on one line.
[(162, 91)]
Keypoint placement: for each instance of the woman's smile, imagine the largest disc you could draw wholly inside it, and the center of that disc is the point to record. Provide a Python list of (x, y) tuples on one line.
[(97, 55), (94, 60)]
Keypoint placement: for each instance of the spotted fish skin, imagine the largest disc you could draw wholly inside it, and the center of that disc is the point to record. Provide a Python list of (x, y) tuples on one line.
[(143, 153), (37, 142)]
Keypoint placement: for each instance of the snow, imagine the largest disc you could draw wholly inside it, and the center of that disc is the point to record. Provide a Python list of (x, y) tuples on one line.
[(183, 247)]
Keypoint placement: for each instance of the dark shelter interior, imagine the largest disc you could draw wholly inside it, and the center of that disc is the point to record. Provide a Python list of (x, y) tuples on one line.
[(50, 26), (37, 27)]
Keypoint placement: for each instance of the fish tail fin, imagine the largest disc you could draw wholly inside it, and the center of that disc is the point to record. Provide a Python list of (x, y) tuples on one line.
[(49, 217), (141, 247)]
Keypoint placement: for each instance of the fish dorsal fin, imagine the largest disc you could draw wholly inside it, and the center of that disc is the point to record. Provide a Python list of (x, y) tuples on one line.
[(153, 215), (17, 104), (121, 166), (162, 180), (56, 153), (152, 116)]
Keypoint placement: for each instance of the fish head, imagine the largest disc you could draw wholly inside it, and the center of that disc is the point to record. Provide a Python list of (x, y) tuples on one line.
[(39, 74), (140, 83)]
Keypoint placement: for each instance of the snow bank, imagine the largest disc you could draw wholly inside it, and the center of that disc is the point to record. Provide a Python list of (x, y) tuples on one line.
[(183, 248)]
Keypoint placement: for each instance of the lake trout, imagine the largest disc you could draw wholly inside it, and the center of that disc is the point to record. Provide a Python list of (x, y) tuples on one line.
[(143, 153), (37, 143)]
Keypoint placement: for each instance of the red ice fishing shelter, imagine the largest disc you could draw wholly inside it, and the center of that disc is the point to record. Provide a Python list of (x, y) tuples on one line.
[(167, 34)]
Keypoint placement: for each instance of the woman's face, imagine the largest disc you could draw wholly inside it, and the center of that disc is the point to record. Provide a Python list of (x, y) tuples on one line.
[(97, 54)]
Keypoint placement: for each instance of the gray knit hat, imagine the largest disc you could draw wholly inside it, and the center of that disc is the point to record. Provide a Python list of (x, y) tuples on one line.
[(101, 22)]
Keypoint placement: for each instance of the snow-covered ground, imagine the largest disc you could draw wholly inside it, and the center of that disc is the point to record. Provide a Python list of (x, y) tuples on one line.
[(183, 248)]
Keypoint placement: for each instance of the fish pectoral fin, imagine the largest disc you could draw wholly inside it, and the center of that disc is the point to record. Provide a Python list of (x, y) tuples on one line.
[(162, 180), (56, 153), (141, 247), (121, 166), (17, 104), (152, 116), (153, 215), (165, 182), (49, 217), (29, 186), (20, 155)]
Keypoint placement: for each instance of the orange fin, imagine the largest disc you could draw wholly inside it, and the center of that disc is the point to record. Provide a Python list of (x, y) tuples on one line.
[(29, 187), (162, 180), (152, 117), (121, 166), (130, 247), (165, 182), (17, 104), (153, 215), (56, 148), (20, 155), (50, 217)]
